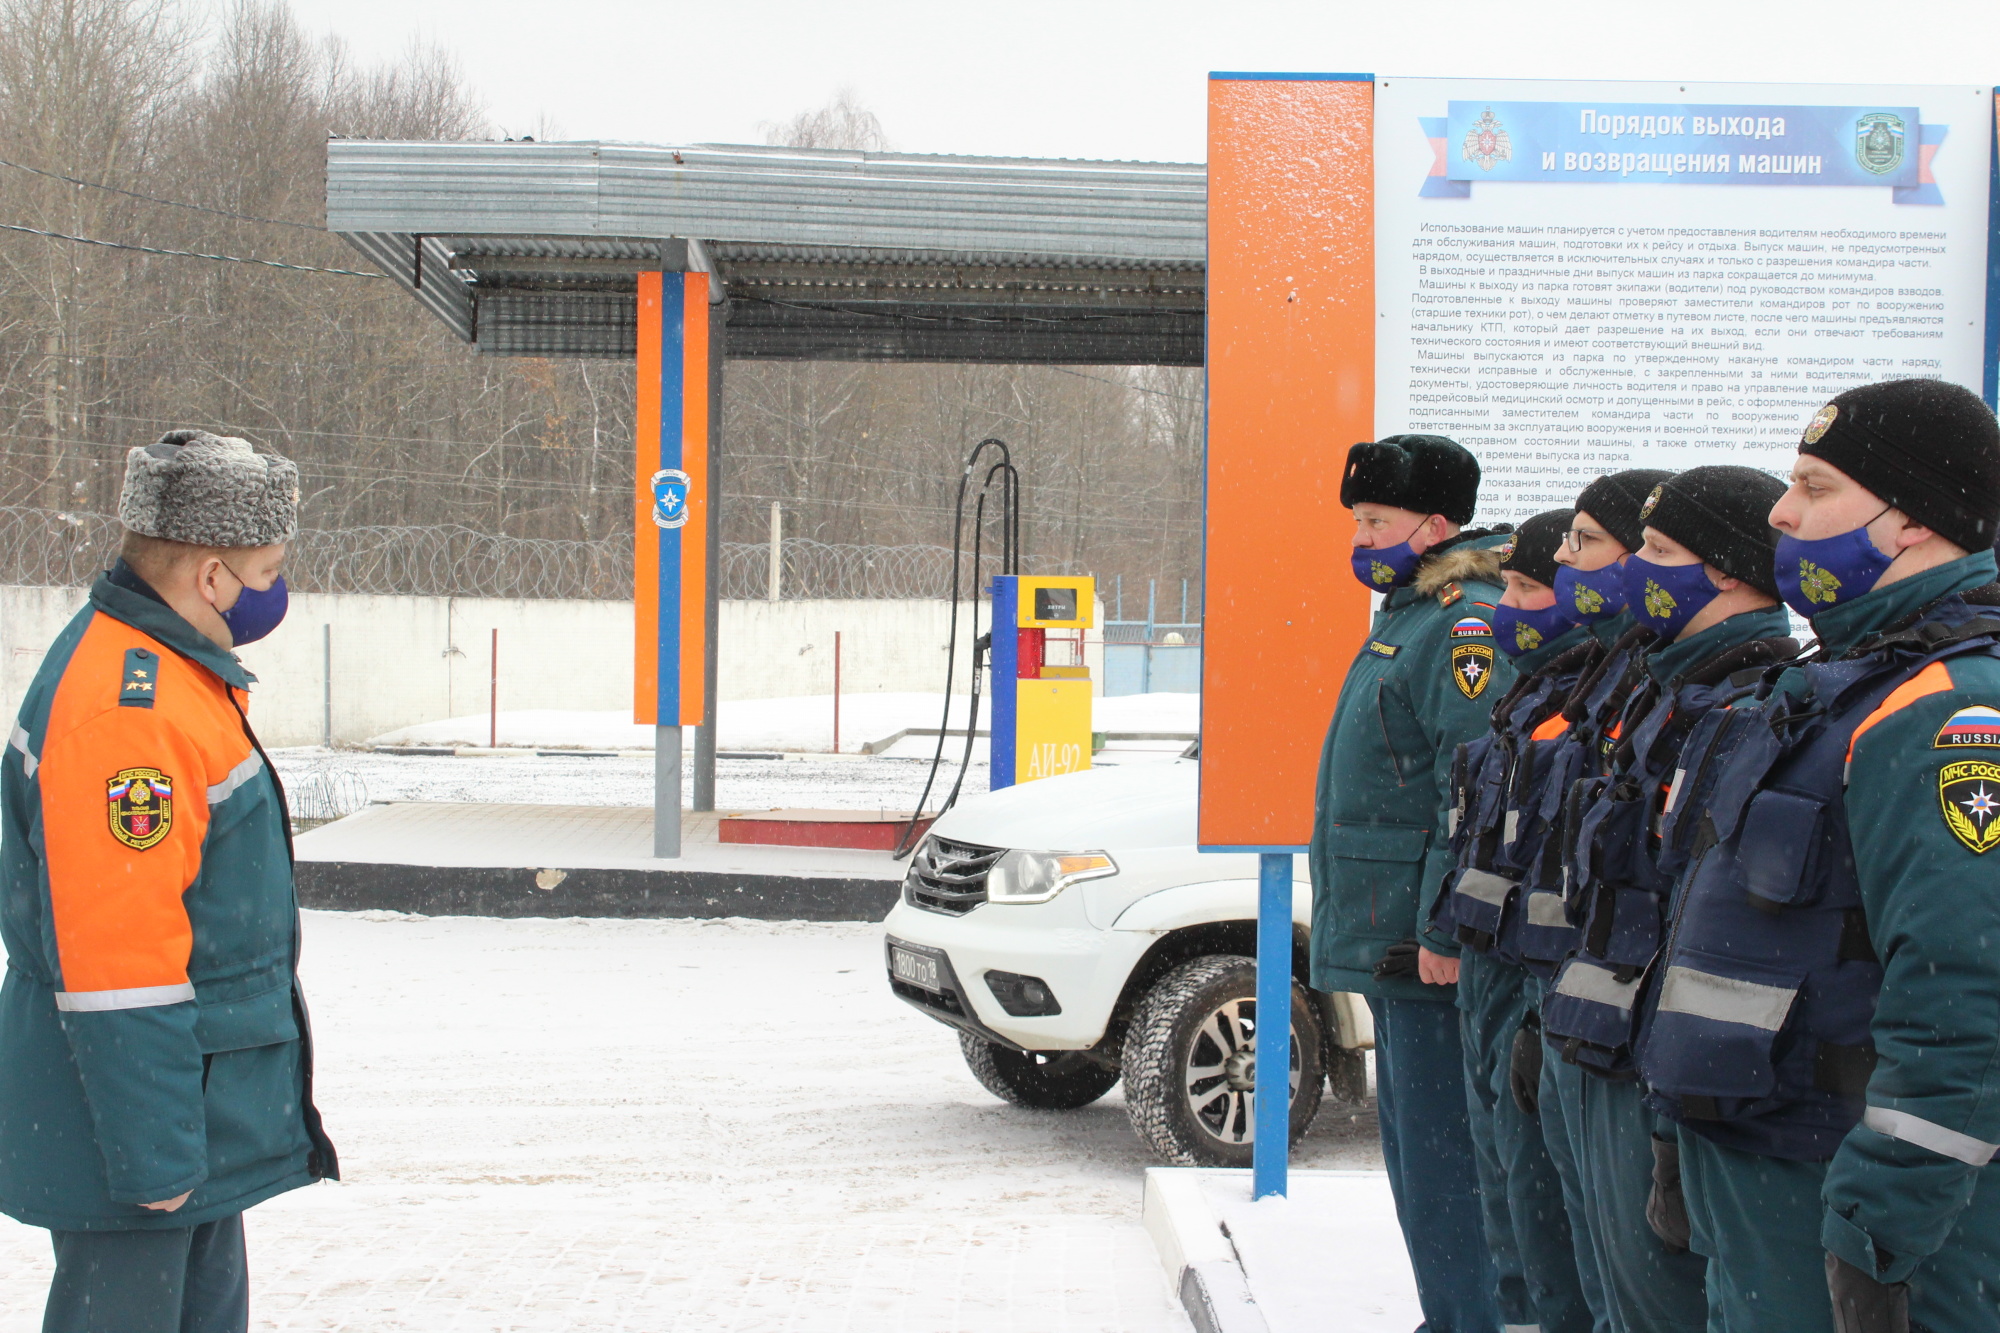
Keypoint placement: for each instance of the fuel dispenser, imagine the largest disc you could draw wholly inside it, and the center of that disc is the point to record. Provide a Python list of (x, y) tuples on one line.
[(1041, 710)]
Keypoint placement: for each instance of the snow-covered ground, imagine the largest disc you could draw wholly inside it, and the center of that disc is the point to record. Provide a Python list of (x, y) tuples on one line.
[(804, 723), (708, 1126)]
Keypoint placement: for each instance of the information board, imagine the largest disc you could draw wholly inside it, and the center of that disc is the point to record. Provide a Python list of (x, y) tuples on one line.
[(1569, 278), (1573, 278)]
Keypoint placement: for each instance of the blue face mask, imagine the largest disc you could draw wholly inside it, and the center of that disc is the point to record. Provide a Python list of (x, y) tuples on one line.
[(1386, 567), (1518, 631), (1664, 598), (256, 613), (1816, 575), (1588, 596)]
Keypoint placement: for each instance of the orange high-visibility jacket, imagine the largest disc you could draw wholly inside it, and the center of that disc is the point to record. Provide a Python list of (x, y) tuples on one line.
[(152, 1036)]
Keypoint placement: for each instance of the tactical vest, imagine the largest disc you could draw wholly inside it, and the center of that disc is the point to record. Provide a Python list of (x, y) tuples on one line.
[(1618, 873), (1499, 816), (1756, 1029)]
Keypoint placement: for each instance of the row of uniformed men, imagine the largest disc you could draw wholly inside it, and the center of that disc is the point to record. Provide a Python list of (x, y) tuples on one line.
[(1715, 911)]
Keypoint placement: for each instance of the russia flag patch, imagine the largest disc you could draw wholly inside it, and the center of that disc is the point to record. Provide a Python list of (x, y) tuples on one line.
[(1474, 628), (1977, 725)]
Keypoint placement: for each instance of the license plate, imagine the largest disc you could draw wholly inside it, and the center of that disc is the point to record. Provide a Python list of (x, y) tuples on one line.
[(916, 968)]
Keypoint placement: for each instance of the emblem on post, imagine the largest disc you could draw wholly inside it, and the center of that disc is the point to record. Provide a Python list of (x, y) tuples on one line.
[(141, 802), (1878, 142), (670, 497)]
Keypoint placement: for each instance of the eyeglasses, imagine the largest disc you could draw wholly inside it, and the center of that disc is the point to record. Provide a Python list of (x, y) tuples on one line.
[(1576, 537)]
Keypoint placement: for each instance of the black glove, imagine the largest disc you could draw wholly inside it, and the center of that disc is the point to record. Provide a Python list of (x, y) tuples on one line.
[(1863, 1305), (1666, 1206), (1524, 1068), (1399, 961)]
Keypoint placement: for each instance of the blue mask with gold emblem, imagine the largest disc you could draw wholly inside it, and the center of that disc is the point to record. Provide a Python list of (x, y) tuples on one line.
[(1520, 631), (1664, 598), (1385, 567), (1814, 576), (1588, 596)]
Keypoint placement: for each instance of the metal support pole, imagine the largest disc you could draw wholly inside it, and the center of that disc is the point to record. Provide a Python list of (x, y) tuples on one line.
[(1146, 662), (1271, 1149), (667, 792), (326, 656), (836, 691), (493, 694), (705, 737), (777, 579)]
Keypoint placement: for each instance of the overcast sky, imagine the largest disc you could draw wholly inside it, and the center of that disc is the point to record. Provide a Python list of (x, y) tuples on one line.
[(1105, 78)]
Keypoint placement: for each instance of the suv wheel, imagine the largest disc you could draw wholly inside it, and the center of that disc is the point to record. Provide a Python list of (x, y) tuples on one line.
[(1046, 1080), (1190, 1066)]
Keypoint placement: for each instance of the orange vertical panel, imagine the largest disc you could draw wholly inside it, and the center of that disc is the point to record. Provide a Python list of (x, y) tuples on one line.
[(646, 536), (694, 533), (1291, 384)]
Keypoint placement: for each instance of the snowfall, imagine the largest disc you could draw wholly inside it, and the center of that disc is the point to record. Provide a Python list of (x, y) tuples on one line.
[(721, 1125)]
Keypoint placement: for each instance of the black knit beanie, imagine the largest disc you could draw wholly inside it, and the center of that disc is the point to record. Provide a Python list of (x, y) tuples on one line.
[(1614, 501), (1722, 514), (1533, 549), (1426, 474), (1928, 447)]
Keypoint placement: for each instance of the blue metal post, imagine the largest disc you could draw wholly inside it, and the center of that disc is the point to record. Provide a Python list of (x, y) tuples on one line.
[(1274, 1024), (1003, 680), (1184, 619), (1118, 598)]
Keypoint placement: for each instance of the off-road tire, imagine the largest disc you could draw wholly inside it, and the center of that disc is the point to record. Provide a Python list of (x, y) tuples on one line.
[(1045, 1080), (1162, 1042)]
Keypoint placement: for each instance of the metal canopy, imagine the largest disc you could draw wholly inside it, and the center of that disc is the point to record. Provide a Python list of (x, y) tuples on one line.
[(529, 249)]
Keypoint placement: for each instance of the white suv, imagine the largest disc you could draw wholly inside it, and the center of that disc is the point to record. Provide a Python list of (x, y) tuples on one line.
[(1073, 935)]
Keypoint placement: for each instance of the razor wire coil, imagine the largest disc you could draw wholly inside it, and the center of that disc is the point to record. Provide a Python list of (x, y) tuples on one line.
[(62, 549)]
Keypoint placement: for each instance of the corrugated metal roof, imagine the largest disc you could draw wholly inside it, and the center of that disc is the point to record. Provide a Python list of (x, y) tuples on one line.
[(790, 196), (531, 249)]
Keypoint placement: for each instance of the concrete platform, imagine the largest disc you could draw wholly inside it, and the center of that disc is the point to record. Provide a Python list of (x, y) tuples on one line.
[(467, 859), (1329, 1256)]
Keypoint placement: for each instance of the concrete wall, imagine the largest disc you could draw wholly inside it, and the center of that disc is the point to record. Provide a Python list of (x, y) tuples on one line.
[(398, 661)]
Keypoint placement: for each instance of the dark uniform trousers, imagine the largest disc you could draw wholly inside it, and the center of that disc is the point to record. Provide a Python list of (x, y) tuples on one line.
[(1427, 1148), (176, 1280)]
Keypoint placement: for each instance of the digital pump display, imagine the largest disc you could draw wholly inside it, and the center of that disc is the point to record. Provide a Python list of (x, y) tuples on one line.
[(1055, 604)]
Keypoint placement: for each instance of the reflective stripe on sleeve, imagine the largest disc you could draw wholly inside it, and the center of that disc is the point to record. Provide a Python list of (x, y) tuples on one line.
[(1914, 1129), (138, 997), (238, 775), (1487, 888), (1600, 985), (1546, 909), (19, 740), (1725, 999), (1510, 828)]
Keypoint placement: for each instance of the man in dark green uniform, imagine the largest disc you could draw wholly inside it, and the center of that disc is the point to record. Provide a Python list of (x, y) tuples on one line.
[(1422, 684), (1827, 1031), (1590, 585), (1701, 582), (1500, 825)]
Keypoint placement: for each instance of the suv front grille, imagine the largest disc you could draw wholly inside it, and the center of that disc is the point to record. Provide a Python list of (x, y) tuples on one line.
[(949, 877)]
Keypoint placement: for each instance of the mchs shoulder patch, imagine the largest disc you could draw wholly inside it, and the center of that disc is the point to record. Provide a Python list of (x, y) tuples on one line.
[(1977, 725), (1471, 667), (1472, 627), (141, 802)]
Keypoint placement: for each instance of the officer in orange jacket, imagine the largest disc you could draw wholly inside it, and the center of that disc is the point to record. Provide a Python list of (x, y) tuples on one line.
[(155, 1061)]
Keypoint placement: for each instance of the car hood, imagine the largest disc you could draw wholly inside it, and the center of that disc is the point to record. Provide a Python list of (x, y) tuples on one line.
[(1129, 806)]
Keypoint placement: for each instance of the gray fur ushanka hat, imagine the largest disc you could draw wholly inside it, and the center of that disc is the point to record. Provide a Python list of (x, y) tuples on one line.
[(209, 490)]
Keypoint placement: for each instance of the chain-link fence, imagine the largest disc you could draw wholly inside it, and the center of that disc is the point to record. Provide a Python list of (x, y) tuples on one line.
[(56, 549)]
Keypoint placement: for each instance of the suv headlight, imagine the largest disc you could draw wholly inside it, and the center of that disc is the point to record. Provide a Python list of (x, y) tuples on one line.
[(1036, 877)]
